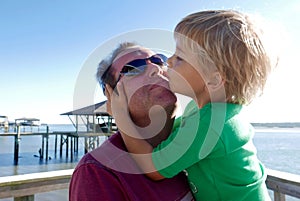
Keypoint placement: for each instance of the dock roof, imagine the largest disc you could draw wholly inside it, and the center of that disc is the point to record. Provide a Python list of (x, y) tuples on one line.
[(96, 109)]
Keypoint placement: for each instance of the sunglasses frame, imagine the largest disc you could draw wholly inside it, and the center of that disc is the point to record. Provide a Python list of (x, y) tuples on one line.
[(160, 56), (158, 59)]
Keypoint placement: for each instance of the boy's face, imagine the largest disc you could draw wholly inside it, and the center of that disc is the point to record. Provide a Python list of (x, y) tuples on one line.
[(184, 76), (193, 74)]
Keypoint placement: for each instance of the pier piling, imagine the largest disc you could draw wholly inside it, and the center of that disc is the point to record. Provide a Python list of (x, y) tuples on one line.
[(45, 136), (55, 145), (17, 143), (47, 142)]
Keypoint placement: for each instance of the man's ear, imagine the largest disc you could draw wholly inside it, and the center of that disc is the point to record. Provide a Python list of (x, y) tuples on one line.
[(108, 93), (215, 82)]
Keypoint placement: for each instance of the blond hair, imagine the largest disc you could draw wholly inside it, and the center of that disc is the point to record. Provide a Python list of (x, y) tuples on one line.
[(230, 41)]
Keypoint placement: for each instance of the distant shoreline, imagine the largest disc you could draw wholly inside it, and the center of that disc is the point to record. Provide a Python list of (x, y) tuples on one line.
[(278, 125)]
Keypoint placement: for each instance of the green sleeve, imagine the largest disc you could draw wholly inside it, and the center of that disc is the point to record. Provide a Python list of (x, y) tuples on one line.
[(195, 139), (182, 149)]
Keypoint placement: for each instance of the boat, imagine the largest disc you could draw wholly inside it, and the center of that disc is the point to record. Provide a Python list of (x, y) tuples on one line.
[(4, 124), (27, 121)]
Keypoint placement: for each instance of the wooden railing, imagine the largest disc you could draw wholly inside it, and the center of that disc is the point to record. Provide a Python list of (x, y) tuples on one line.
[(24, 187), (283, 183)]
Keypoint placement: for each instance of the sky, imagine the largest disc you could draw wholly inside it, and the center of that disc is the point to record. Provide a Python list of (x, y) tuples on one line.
[(45, 46)]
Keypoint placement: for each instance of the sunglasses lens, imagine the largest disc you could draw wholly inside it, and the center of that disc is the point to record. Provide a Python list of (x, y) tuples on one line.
[(163, 57), (137, 63), (134, 67), (132, 70), (138, 66), (156, 60), (159, 59)]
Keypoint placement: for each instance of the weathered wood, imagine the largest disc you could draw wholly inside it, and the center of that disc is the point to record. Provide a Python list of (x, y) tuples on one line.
[(25, 198), (283, 183), (30, 184), (279, 196), (26, 186)]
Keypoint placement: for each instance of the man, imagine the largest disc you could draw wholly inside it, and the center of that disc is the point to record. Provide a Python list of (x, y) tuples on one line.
[(108, 172)]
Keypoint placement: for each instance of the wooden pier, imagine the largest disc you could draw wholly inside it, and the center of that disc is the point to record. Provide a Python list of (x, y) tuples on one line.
[(97, 123), (63, 141)]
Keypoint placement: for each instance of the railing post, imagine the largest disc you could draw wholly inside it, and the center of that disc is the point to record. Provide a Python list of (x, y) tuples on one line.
[(279, 196), (25, 198)]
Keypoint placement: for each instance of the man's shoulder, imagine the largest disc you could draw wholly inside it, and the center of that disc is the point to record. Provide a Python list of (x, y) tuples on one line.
[(132, 184), (111, 160), (87, 159)]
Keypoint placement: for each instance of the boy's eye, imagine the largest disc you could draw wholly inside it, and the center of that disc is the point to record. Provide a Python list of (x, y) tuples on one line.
[(179, 58)]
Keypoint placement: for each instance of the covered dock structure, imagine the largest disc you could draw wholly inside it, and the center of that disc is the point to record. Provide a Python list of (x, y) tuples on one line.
[(96, 121), (94, 118)]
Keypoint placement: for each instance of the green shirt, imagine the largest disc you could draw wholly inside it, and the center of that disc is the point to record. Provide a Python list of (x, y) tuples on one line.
[(214, 147)]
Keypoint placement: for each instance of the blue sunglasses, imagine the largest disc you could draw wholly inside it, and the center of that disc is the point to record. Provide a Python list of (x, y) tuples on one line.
[(138, 66)]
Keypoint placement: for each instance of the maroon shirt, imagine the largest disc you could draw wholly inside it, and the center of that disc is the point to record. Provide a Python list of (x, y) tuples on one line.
[(101, 175)]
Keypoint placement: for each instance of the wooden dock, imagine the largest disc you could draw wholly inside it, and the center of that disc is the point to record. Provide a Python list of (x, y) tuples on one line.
[(67, 141)]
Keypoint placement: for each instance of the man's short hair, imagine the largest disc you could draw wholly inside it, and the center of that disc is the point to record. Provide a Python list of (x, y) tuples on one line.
[(103, 74)]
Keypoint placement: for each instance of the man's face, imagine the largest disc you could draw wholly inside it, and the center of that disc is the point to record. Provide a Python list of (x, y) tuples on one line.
[(146, 89)]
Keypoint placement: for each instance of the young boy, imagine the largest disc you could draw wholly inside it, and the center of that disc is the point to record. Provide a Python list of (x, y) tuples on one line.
[(221, 63)]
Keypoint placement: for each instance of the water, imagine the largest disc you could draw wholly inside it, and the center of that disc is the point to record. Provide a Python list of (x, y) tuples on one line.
[(277, 148), (29, 160)]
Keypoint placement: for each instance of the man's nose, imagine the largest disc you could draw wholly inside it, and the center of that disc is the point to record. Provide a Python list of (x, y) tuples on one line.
[(170, 61), (155, 70)]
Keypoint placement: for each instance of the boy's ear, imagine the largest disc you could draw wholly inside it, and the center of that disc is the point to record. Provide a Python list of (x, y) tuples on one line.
[(215, 81)]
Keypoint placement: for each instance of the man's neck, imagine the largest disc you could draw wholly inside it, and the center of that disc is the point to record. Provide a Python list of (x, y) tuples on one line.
[(163, 134)]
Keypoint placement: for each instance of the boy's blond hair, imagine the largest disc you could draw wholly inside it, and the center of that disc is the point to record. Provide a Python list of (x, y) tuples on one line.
[(231, 42)]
